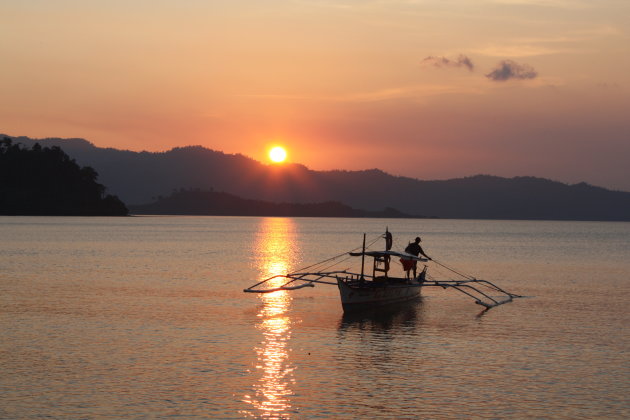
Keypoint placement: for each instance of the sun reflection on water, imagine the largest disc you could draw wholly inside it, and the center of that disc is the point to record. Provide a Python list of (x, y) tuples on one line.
[(276, 252)]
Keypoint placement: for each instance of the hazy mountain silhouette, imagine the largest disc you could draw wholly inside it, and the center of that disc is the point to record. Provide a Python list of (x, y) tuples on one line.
[(141, 177), (45, 181), (223, 204)]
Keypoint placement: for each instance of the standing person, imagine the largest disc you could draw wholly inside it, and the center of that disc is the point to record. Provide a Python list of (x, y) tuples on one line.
[(415, 249)]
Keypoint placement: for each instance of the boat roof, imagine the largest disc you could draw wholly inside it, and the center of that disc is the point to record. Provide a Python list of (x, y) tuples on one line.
[(390, 253)]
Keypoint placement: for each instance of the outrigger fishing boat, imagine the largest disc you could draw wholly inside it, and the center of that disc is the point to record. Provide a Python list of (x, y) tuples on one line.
[(361, 290)]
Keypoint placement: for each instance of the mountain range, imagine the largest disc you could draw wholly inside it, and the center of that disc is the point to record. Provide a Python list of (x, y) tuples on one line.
[(140, 178)]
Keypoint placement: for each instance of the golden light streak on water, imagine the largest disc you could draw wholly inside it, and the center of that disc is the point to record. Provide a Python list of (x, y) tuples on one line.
[(275, 249)]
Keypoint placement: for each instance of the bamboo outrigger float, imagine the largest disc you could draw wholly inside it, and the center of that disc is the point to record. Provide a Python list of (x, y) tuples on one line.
[(362, 291)]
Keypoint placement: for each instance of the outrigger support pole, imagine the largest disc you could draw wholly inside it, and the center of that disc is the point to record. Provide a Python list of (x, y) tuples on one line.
[(305, 277), (460, 285)]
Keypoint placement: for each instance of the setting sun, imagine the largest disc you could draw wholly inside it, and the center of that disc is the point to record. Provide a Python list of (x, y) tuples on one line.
[(277, 154)]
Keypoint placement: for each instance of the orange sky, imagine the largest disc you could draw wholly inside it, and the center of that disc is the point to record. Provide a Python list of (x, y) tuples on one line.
[(428, 89)]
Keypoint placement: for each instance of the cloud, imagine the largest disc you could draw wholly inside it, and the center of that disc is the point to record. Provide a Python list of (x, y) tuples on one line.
[(460, 61), (508, 69)]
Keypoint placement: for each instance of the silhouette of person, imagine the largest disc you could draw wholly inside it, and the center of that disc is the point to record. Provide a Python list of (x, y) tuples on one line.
[(415, 249)]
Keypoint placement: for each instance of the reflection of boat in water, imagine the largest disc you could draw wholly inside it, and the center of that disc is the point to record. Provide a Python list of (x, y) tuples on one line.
[(383, 318), (361, 290)]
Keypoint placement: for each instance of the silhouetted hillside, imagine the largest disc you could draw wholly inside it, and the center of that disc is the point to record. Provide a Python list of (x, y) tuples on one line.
[(45, 181), (223, 204), (141, 177)]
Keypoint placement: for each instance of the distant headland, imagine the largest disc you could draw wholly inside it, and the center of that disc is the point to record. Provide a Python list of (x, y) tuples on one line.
[(143, 179), (212, 203)]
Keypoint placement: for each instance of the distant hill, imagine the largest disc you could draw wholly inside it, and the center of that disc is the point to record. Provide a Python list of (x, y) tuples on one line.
[(212, 203), (140, 177), (45, 181)]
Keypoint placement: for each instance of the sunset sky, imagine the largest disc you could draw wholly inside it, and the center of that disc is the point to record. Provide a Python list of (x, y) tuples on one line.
[(422, 88)]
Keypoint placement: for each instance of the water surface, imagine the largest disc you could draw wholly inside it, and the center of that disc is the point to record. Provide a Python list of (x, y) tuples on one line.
[(145, 317)]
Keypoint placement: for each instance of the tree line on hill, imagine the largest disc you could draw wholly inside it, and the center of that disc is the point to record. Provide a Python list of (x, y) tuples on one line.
[(138, 177), (46, 181)]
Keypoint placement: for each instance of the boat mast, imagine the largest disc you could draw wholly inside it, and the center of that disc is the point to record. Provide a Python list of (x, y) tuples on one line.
[(363, 258)]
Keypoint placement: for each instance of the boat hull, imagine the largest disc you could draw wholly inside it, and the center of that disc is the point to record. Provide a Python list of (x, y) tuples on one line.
[(357, 297)]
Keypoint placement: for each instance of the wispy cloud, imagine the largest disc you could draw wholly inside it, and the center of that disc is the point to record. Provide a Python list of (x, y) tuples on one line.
[(460, 61), (508, 69), (561, 4), (569, 42), (520, 50), (412, 92), (416, 92)]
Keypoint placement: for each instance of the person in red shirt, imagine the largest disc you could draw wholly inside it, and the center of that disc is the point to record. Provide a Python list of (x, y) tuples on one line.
[(414, 249)]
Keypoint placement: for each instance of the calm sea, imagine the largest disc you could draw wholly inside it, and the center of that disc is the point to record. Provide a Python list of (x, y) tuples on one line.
[(145, 317)]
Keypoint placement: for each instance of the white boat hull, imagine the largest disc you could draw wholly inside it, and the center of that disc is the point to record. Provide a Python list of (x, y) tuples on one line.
[(365, 297)]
